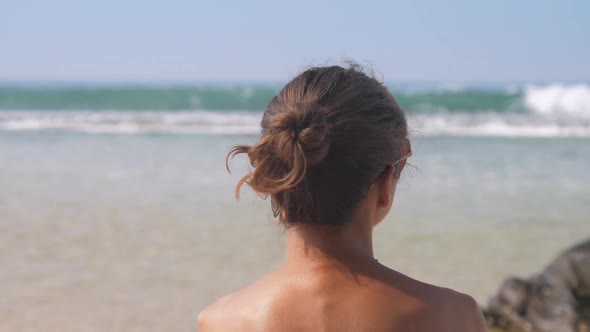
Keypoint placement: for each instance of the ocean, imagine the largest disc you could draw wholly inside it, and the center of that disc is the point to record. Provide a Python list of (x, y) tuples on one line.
[(554, 110), (117, 213)]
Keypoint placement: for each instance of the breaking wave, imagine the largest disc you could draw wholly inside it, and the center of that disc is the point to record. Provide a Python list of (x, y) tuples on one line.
[(554, 110), (207, 122)]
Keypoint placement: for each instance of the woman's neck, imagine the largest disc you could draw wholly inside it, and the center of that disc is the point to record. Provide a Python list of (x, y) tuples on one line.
[(347, 244)]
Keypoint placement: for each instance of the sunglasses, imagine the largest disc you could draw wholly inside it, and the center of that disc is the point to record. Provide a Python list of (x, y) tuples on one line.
[(404, 158)]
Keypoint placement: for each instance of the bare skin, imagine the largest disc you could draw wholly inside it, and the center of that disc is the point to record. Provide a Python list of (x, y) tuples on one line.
[(329, 281)]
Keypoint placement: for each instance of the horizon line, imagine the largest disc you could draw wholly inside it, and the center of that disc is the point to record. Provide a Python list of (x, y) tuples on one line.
[(199, 82)]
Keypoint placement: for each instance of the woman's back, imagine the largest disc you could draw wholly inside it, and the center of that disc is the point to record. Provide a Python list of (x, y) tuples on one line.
[(334, 143), (334, 298)]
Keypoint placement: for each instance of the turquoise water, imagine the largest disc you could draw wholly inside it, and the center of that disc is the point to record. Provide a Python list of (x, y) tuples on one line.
[(554, 110), (156, 98), (224, 98), (130, 215)]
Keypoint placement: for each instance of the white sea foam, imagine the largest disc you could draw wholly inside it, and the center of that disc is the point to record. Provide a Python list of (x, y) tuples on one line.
[(559, 99), (228, 123), (498, 124), (132, 122)]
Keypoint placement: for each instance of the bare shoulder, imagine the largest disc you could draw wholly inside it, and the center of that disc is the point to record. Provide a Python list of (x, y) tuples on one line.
[(214, 317), (468, 312), (443, 308), (232, 312), (456, 311)]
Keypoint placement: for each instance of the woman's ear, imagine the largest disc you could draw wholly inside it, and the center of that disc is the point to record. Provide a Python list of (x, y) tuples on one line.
[(385, 191), (386, 187), (387, 184), (406, 150)]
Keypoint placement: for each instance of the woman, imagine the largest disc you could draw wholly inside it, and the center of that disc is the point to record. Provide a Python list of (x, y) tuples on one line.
[(333, 146)]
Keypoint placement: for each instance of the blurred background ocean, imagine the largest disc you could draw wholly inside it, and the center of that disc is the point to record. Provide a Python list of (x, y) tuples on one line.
[(510, 110), (117, 213)]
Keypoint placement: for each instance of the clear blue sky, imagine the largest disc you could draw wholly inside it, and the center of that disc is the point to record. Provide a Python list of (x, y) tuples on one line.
[(441, 41)]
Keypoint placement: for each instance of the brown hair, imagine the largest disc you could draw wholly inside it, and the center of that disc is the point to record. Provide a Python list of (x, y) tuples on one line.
[(326, 136)]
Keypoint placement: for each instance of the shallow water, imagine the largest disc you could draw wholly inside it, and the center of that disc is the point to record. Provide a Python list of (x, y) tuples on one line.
[(139, 232)]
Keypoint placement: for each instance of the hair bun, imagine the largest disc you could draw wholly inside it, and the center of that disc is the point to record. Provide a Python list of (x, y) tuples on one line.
[(303, 129)]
